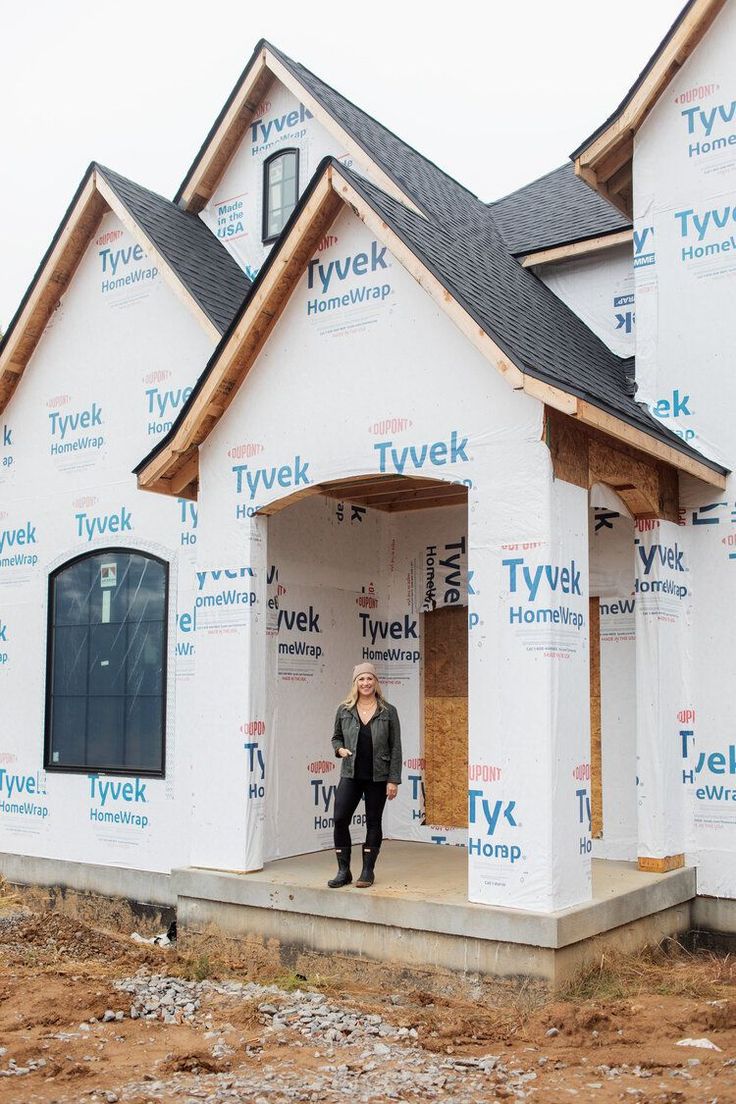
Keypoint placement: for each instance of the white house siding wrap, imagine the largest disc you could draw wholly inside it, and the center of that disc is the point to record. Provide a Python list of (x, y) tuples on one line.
[(364, 374), (112, 366), (600, 290), (685, 264), (235, 212)]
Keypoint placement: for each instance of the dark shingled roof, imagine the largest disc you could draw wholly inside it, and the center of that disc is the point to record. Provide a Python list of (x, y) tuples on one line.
[(204, 266), (470, 247), (528, 322), (535, 329), (557, 209), (429, 186)]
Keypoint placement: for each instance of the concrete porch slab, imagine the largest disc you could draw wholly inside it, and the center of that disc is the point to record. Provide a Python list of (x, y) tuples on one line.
[(417, 912)]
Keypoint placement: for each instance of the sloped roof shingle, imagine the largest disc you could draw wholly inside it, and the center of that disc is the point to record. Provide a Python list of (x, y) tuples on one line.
[(204, 266), (557, 209)]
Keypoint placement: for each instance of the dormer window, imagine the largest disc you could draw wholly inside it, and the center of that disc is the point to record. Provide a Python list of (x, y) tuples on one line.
[(280, 191)]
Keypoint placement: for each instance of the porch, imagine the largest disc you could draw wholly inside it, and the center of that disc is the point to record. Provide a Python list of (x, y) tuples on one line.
[(417, 915)]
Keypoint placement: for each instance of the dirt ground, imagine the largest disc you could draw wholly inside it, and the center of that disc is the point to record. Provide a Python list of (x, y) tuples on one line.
[(612, 1038)]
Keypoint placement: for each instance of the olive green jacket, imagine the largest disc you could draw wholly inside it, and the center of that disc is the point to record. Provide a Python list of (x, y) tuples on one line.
[(386, 734)]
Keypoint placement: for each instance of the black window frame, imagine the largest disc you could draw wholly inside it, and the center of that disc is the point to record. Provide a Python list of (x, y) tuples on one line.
[(57, 768), (266, 237)]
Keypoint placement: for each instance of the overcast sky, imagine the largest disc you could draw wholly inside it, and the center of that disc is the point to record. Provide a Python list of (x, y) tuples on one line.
[(495, 93)]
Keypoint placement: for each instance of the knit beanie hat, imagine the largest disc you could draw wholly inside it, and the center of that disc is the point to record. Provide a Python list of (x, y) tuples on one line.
[(364, 669)]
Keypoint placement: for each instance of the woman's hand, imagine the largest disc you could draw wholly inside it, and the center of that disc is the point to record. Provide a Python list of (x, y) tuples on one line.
[(343, 752), (391, 790)]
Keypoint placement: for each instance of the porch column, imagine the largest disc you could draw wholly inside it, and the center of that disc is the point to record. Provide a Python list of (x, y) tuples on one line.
[(529, 722), (230, 739), (663, 614)]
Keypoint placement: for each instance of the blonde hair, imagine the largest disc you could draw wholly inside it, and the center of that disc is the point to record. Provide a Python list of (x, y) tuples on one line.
[(352, 697)]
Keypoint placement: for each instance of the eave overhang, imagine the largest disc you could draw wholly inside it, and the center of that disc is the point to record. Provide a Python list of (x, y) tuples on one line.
[(604, 160)]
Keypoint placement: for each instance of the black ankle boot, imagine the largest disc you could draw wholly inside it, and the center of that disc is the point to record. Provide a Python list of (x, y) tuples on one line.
[(343, 876), (370, 854)]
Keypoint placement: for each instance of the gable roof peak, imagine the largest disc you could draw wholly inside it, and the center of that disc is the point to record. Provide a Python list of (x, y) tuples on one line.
[(399, 169), (195, 265)]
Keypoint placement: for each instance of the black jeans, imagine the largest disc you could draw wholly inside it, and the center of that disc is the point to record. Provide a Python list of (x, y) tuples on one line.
[(349, 793)]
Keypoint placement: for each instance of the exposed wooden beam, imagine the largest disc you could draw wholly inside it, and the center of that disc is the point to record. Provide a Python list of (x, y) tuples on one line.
[(50, 285), (651, 446), (186, 474), (226, 139), (575, 250), (608, 151)]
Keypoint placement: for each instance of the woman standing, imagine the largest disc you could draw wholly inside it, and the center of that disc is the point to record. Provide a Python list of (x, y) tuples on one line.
[(367, 738)]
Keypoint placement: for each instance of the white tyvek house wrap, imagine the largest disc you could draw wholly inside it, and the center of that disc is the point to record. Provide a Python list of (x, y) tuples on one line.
[(235, 212), (685, 244), (600, 290), (119, 352), (611, 538), (364, 374), (664, 603), (685, 250)]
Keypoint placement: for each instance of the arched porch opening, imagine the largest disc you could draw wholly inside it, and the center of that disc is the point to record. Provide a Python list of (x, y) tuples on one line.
[(371, 567)]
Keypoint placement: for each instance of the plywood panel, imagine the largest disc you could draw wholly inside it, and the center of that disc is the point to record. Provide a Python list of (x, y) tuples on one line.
[(596, 755), (446, 716), (446, 761)]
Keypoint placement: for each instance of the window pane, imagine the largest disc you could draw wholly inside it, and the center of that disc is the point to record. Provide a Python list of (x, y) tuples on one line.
[(72, 594), (69, 720), (145, 659), (143, 725), (106, 723), (70, 659), (107, 656), (107, 663), (281, 191), (146, 589)]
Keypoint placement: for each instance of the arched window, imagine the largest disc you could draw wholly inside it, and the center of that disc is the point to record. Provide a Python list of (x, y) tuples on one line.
[(106, 663), (280, 191)]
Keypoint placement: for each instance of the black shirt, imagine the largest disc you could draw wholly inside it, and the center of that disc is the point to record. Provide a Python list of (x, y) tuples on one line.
[(364, 754)]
